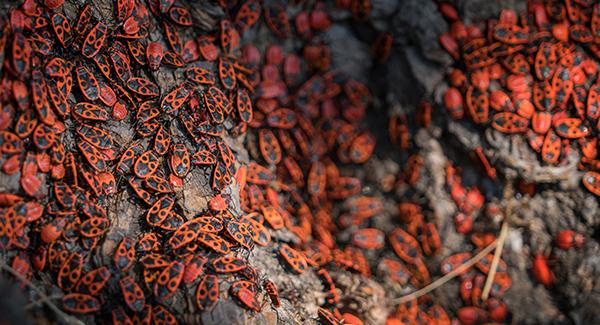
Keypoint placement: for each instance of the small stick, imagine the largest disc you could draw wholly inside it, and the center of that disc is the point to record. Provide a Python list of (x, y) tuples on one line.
[(497, 253), (41, 300), (66, 318), (449, 276), (501, 238)]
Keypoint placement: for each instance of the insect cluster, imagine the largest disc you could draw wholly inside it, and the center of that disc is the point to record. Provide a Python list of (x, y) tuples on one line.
[(533, 74), (71, 83)]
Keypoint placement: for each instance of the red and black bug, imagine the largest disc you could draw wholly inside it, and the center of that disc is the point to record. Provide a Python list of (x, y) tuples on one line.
[(180, 16), (217, 103), (272, 292), (143, 87), (214, 242), (95, 40), (93, 156), (168, 280), (173, 59), (162, 140), (121, 64), (240, 233), (160, 315), (227, 74), (228, 264), (248, 14), (154, 54), (229, 37), (125, 254), (79, 303), (179, 160), (173, 37), (193, 268), (269, 146), (159, 211), (247, 298), (70, 272), (293, 258), (132, 294), (207, 293), (272, 216), (277, 20), (90, 111), (62, 29), (175, 99), (146, 165), (87, 83), (93, 281), (200, 76)]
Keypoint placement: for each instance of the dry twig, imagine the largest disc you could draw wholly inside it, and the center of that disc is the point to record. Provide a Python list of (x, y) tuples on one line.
[(449, 276), (501, 238)]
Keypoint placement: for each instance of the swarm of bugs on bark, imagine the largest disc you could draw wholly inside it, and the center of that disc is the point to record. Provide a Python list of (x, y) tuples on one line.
[(66, 80), (81, 73), (533, 74)]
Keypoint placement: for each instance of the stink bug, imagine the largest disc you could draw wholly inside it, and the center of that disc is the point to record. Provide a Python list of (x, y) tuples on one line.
[(269, 146), (93, 281), (571, 128), (228, 264), (87, 83), (95, 40), (159, 211), (70, 271), (293, 258), (125, 254), (248, 14), (146, 165), (591, 181), (143, 87), (79, 303), (179, 160), (154, 54), (207, 292), (132, 293), (567, 239), (168, 281)]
